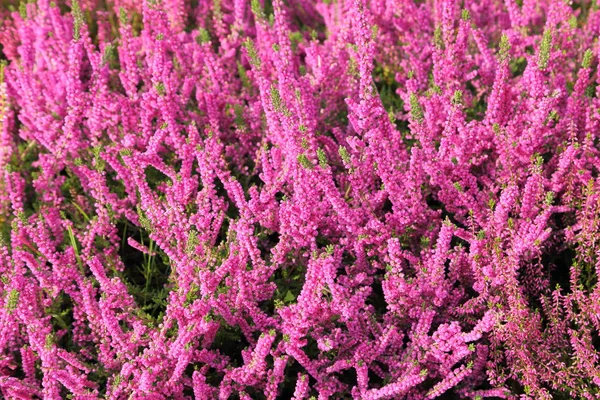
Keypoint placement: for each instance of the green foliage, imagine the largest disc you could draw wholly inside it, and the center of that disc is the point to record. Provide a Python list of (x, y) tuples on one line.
[(252, 53), (295, 39), (123, 19), (160, 88), (13, 300), (23, 10), (322, 158), (438, 39), (276, 99), (458, 97), (517, 66), (289, 280), (545, 47), (239, 117), (415, 109), (243, 75), (587, 58), (257, 9), (77, 19), (144, 221), (203, 36), (304, 143), (549, 198), (504, 48), (147, 276), (304, 161), (344, 154)]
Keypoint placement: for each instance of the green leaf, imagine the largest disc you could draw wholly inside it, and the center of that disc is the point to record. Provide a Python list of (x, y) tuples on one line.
[(289, 297)]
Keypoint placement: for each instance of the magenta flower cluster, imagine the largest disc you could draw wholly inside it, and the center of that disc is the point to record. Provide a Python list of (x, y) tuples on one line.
[(331, 199)]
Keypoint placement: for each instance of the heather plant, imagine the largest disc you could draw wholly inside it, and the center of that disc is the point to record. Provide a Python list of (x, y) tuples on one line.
[(368, 199)]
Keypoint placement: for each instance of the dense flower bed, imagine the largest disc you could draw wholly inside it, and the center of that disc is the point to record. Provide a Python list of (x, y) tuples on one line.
[(378, 199)]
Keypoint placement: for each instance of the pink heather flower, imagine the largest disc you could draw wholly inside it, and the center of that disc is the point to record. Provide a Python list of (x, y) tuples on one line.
[(311, 199)]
